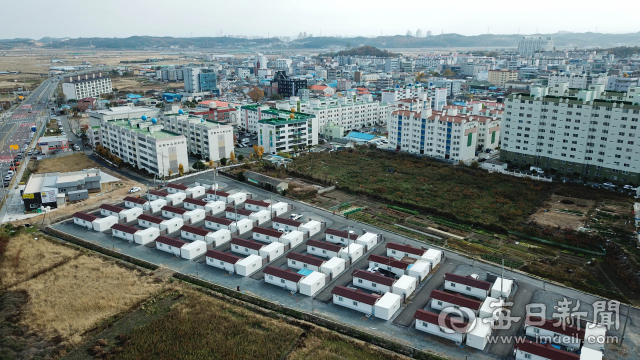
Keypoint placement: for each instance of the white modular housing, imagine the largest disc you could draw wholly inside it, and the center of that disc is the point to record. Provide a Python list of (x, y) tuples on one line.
[(193, 249), (312, 283), (105, 223), (249, 265)]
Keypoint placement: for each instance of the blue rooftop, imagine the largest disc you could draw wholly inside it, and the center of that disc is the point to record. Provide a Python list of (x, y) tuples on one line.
[(358, 136), (133, 96), (305, 272)]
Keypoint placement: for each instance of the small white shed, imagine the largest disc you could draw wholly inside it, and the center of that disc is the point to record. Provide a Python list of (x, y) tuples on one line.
[(489, 306), (388, 305), (312, 227), (241, 226), (293, 238), (175, 199), (272, 251), (333, 267), (352, 251), (171, 225), (249, 265), (261, 216), (215, 207), (312, 283), (218, 238), (502, 288), (433, 256), (129, 215), (478, 337), (280, 208), (170, 245), (237, 198), (368, 240), (195, 192), (221, 260), (194, 216), (419, 269), (193, 249), (145, 236), (105, 223), (156, 205), (405, 286)]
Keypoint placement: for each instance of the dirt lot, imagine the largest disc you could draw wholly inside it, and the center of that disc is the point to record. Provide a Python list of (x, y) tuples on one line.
[(553, 213), (140, 83)]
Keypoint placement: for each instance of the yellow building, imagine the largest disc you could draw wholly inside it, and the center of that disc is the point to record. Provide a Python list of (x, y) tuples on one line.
[(500, 77)]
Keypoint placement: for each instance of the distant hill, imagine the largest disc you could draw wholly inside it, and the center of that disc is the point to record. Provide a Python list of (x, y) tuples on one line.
[(152, 42), (624, 51), (362, 51)]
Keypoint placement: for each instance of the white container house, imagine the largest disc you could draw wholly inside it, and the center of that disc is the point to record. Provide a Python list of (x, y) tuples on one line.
[(478, 336), (311, 227), (241, 226), (175, 199), (111, 210), (373, 281), (237, 198), (84, 219), (352, 251), (125, 232), (217, 223), (246, 247), (467, 285), (256, 205), (419, 269), (171, 212), (286, 279), (502, 288), (146, 221), (528, 350), (129, 215), (195, 192), (292, 239), (212, 195), (194, 216), (489, 307), (441, 300), (397, 267), (399, 251), (145, 236), (340, 237), (173, 188), (158, 194), (323, 248), (192, 204), (388, 305), (156, 205), (280, 208), (193, 249), (451, 328), (218, 238), (266, 235), (221, 260), (368, 240), (231, 212), (312, 283), (170, 245), (594, 337), (193, 233), (105, 223), (132, 202), (333, 267), (272, 251), (278, 223), (405, 286), (249, 265), (433, 256), (554, 331), (301, 261), (260, 217), (215, 207), (354, 299)]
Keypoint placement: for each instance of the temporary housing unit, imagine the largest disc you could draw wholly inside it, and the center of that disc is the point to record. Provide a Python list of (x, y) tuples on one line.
[(193, 249), (368, 240), (373, 281), (278, 223), (246, 247), (192, 204), (249, 265), (212, 195), (311, 227), (399, 251), (146, 221), (145, 236), (105, 223), (124, 215), (215, 207), (489, 307), (467, 285), (530, 350), (301, 261), (173, 188), (441, 300), (217, 223), (272, 251), (221, 260), (170, 245), (167, 226), (156, 205), (554, 331), (260, 217), (218, 238), (312, 283), (286, 279), (237, 198), (194, 216), (158, 194), (230, 213), (502, 288), (397, 267), (388, 304), (449, 328), (173, 212), (193, 233), (195, 192), (341, 237), (293, 238), (323, 248), (419, 269), (84, 219), (123, 231), (279, 208), (132, 202), (594, 337), (174, 199), (266, 235), (256, 205), (433, 256), (241, 226), (352, 251), (333, 267), (405, 286), (209, 185), (478, 335), (355, 299)]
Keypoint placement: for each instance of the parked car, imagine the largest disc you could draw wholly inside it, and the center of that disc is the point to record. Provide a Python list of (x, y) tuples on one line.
[(63, 133), (7, 178), (10, 172), (608, 185), (295, 216), (30, 153), (629, 187), (134, 189)]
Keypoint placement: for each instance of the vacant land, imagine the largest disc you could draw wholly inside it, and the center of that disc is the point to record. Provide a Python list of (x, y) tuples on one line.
[(140, 83), (74, 162), (563, 211)]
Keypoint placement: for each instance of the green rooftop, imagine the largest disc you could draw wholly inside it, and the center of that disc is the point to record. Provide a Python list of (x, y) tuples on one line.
[(158, 134)]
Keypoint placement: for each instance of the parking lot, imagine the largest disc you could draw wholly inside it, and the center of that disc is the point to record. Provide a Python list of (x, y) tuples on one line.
[(400, 326)]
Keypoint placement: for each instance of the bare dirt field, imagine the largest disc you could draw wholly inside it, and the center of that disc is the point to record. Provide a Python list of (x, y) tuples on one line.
[(140, 83), (554, 212)]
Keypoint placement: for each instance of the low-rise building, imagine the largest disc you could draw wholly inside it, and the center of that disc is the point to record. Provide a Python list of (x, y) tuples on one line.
[(467, 285), (41, 190)]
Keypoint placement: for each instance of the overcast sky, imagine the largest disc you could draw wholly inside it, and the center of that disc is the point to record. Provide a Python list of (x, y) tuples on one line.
[(117, 18)]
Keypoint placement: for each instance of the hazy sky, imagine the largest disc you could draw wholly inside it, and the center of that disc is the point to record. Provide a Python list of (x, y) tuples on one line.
[(116, 18)]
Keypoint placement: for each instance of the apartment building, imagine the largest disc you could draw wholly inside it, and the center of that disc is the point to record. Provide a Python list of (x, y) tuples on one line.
[(592, 133), (286, 129), (500, 77), (115, 113), (528, 46), (146, 145), (288, 86), (437, 95), (206, 138), (578, 81), (197, 80), (84, 86), (434, 133)]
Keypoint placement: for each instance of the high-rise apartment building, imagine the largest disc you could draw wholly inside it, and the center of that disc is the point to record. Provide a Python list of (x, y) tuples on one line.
[(84, 86), (528, 46), (500, 77), (288, 86), (286, 129), (198, 80)]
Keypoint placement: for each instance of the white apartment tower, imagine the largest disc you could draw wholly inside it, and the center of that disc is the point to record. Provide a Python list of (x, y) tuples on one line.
[(83, 86), (528, 46)]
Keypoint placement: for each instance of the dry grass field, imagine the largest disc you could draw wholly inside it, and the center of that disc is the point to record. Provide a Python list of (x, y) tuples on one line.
[(75, 162)]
